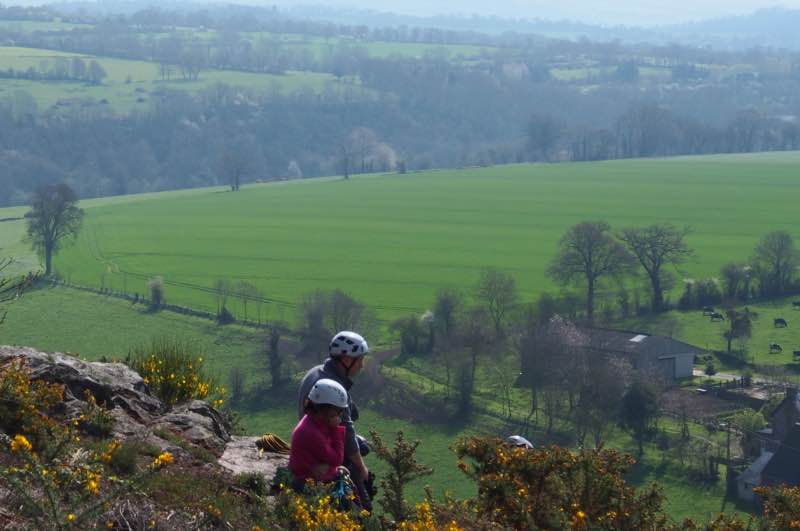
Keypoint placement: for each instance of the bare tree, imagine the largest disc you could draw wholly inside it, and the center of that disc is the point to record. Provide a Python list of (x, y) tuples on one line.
[(363, 142), (598, 407), (654, 247), (446, 308), (246, 292), (313, 312), (775, 261), (740, 325), (548, 351), (543, 135), (275, 358), (587, 253), (497, 291), (446, 315), (54, 219), (735, 278), (222, 290), (237, 159), (344, 312)]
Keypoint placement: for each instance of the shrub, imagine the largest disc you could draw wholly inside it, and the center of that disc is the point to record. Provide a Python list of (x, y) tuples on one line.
[(555, 488), (156, 288), (253, 482), (403, 469), (237, 379), (95, 419), (710, 369), (123, 460), (225, 316), (25, 404), (174, 371), (58, 483)]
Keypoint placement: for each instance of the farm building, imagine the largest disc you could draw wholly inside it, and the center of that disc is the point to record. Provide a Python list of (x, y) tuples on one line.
[(781, 467), (786, 415), (779, 462), (752, 477), (784, 467), (664, 357), (668, 358)]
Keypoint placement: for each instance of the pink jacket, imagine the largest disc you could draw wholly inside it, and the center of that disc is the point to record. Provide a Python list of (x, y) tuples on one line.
[(315, 443)]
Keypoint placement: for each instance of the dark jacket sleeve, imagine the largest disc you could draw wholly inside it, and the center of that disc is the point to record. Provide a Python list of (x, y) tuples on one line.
[(350, 442)]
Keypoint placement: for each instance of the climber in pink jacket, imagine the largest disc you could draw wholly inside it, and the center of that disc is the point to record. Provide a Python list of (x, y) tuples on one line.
[(317, 449)]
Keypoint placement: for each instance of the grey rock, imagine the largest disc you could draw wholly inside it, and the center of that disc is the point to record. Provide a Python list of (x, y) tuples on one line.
[(242, 456), (198, 423)]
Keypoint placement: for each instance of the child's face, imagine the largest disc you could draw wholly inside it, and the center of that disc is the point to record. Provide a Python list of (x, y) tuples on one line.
[(332, 416)]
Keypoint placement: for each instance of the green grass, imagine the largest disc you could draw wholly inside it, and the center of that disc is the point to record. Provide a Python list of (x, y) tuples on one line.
[(393, 240), (63, 319), (93, 326), (130, 83)]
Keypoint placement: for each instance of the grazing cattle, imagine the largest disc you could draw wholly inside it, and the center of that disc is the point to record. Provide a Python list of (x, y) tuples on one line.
[(708, 310), (780, 322), (774, 347), (796, 354), (717, 316), (796, 305)]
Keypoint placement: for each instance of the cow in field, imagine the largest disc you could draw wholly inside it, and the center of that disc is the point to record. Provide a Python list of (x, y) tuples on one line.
[(716, 316), (774, 347), (780, 322), (796, 305), (796, 354), (708, 310)]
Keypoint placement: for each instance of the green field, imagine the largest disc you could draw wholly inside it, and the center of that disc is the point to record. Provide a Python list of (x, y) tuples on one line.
[(31, 26), (130, 83), (393, 240)]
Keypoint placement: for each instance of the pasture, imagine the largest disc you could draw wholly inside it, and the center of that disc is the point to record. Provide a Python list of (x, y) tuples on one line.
[(393, 240), (131, 83), (699, 330)]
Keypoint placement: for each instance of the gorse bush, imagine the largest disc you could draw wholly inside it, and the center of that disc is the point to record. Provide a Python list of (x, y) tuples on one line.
[(554, 488), (174, 372), (58, 483), (95, 419), (25, 404)]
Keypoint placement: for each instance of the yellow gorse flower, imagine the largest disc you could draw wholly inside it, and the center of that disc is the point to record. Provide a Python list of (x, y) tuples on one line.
[(20, 442), (162, 460)]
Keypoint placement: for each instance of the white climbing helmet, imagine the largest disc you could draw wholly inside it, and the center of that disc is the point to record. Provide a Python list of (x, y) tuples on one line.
[(347, 343), (519, 441), (329, 392)]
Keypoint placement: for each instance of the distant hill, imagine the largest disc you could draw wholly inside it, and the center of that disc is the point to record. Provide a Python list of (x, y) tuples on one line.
[(773, 27)]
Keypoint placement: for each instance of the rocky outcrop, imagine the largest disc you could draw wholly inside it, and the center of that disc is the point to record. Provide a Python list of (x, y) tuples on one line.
[(242, 456), (139, 414)]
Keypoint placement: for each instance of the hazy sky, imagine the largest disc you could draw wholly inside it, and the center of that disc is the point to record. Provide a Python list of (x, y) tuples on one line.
[(640, 12)]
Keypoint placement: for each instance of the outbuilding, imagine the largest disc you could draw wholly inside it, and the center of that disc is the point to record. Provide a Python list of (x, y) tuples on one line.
[(665, 357)]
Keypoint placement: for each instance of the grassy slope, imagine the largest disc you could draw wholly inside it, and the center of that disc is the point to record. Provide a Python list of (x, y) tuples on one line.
[(66, 320), (397, 238), (144, 78)]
